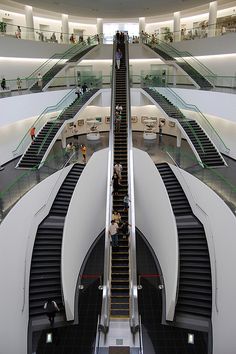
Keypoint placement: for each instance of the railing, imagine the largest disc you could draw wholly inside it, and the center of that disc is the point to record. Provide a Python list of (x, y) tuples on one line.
[(36, 34), (59, 59), (199, 32), (219, 183), (105, 313), (27, 180), (173, 97), (134, 314), (50, 113), (184, 57)]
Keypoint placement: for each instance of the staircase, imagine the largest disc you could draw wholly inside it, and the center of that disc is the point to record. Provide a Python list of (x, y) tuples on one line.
[(45, 273), (206, 150), (195, 285), (37, 149), (49, 75), (200, 80), (120, 255)]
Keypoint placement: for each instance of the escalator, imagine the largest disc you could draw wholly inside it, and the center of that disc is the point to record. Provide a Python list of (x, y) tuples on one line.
[(195, 75), (204, 147), (120, 255), (38, 148), (45, 273), (61, 64), (195, 283)]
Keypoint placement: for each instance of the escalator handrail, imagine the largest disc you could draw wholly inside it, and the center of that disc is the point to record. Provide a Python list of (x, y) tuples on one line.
[(134, 315), (105, 313)]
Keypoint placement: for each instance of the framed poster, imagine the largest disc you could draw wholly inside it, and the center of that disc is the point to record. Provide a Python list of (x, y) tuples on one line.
[(171, 124), (107, 119), (134, 119), (80, 122), (143, 118)]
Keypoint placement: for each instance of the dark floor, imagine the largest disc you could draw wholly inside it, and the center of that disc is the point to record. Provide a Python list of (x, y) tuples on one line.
[(158, 338), (80, 339)]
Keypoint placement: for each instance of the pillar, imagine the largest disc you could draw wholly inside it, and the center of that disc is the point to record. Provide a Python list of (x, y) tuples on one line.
[(174, 75), (179, 138), (142, 25), (29, 21), (212, 19), (65, 28), (176, 26), (100, 28)]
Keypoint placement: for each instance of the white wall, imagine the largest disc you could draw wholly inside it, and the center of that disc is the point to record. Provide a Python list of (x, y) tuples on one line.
[(85, 220), (219, 108), (18, 114), (17, 234), (155, 219), (220, 226)]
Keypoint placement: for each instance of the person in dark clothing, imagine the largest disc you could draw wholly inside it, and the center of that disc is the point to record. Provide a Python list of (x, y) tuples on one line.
[(118, 37), (78, 92), (51, 308), (84, 87), (122, 37), (115, 180), (3, 83), (124, 229)]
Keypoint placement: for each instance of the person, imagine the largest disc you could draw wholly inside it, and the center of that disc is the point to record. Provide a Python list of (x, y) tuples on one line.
[(51, 308), (119, 108), (72, 38), (81, 39), (78, 91), (126, 202), (98, 38), (69, 149), (223, 30), (18, 32), (160, 127), (61, 38), (53, 37), (118, 169), (118, 58), (113, 233), (32, 133), (84, 88), (115, 180), (84, 152), (75, 134), (40, 81), (124, 229), (18, 82), (3, 83), (118, 36), (89, 40), (116, 216), (117, 122), (122, 37)]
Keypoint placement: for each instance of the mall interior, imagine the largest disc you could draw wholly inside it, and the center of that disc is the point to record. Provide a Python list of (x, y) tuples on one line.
[(117, 177)]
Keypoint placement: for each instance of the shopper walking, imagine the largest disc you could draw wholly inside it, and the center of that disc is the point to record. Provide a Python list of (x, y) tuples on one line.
[(3, 83), (32, 133), (84, 152), (115, 180)]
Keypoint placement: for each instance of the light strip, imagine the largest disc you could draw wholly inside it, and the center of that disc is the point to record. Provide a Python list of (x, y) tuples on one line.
[(15, 59), (213, 56)]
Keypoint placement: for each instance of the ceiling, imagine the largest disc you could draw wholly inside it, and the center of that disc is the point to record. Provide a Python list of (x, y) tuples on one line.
[(114, 9)]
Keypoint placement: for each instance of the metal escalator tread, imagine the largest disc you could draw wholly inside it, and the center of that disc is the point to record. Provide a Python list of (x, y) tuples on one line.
[(45, 273), (194, 260), (119, 307)]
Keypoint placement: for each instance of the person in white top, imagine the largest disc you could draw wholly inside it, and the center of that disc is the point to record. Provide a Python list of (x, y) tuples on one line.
[(119, 108), (113, 233), (118, 169)]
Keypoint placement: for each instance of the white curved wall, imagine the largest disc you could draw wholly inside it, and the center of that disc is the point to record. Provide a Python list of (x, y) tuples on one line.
[(17, 234), (85, 220), (220, 225), (155, 219)]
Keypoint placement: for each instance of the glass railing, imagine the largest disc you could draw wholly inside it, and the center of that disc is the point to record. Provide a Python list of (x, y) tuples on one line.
[(197, 115), (186, 34), (49, 114), (28, 33), (27, 180), (214, 179), (183, 57), (60, 60)]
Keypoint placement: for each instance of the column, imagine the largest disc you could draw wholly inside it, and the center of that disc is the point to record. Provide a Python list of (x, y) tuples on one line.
[(100, 29), (174, 75), (142, 25), (65, 28), (176, 26), (212, 19), (29, 21)]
